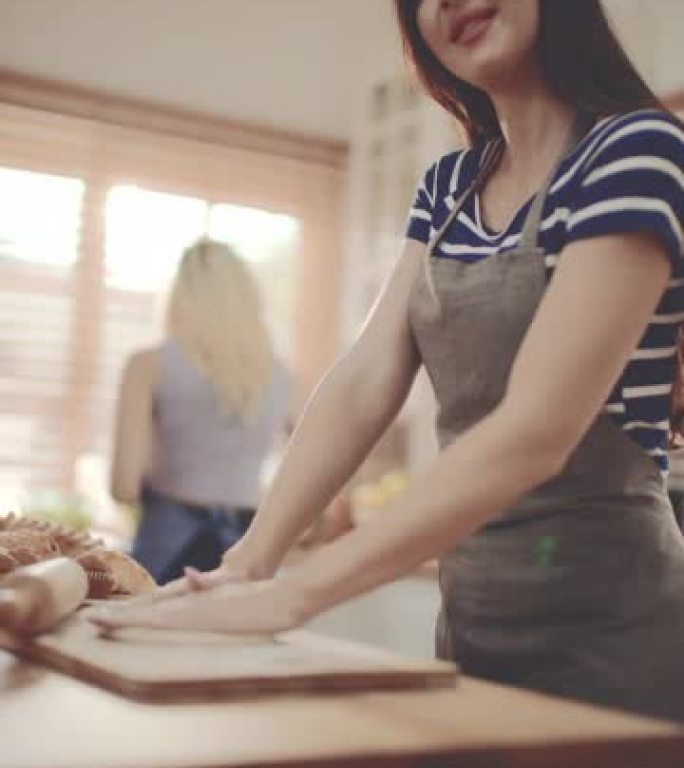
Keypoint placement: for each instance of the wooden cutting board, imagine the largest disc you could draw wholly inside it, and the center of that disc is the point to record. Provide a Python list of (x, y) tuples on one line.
[(156, 665)]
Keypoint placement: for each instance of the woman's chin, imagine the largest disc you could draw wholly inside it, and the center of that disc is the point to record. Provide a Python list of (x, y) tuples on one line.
[(489, 76), (492, 72)]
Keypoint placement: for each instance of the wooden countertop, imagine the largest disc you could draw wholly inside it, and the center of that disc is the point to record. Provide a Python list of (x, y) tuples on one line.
[(50, 721)]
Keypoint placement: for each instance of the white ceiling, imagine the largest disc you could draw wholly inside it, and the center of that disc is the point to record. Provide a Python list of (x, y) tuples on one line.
[(295, 64)]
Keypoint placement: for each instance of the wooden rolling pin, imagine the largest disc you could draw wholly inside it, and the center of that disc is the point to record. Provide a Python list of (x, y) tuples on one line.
[(34, 598)]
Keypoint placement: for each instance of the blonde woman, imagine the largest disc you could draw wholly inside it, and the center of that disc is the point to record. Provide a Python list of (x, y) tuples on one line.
[(197, 416)]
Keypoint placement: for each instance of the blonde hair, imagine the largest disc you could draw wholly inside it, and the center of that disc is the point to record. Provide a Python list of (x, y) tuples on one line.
[(214, 313)]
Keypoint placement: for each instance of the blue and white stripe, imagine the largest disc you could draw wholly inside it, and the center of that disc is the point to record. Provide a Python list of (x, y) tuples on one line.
[(625, 176)]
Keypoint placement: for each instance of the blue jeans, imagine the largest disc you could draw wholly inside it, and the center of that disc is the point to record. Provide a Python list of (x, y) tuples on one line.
[(173, 534)]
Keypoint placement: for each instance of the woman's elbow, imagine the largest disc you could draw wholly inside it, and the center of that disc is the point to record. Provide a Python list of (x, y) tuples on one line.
[(545, 444), (553, 461)]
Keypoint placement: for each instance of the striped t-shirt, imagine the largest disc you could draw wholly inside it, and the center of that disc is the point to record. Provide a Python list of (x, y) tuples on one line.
[(626, 175)]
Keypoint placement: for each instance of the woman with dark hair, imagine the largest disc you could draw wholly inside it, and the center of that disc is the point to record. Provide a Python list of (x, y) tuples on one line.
[(542, 287)]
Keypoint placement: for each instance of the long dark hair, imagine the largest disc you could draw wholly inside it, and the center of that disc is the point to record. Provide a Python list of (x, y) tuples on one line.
[(581, 58), (584, 65)]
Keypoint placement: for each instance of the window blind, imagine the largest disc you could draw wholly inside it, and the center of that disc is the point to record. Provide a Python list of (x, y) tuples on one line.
[(71, 187)]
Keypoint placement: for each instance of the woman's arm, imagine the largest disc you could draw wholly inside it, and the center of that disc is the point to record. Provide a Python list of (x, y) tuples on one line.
[(133, 426), (590, 320), (344, 418)]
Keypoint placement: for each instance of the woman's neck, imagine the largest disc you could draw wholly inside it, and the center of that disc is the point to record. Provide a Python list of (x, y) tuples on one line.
[(535, 125)]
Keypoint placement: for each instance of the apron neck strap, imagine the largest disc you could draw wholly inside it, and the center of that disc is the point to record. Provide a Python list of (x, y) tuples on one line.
[(530, 233), (490, 160)]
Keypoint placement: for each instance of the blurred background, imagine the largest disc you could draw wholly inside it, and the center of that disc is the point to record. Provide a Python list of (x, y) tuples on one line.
[(128, 128)]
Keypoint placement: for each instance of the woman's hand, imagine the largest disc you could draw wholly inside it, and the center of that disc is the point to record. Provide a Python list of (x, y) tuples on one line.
[(235, 567), (248, 607)]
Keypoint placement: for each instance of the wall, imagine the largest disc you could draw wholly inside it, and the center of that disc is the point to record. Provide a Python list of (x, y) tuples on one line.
[(293, 64), (652, 34)]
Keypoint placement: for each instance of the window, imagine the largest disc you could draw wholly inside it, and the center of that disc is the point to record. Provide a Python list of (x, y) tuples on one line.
[(146, 233), (55, 202), (36, 313), (94, 217)]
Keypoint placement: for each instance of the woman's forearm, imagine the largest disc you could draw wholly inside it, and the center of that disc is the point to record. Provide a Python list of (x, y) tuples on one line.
[(477, 477), (555, 391), (340, 424), (346, 415)]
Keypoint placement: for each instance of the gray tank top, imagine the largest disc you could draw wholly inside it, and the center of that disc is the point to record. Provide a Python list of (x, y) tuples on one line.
[(203, 453)]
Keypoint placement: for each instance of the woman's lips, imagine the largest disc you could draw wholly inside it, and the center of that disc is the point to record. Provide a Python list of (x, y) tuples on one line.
[(469, 28)]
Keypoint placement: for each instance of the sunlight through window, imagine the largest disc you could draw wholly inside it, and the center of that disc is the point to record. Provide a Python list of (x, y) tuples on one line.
[(55, 202), (146, 233), (257, 235)]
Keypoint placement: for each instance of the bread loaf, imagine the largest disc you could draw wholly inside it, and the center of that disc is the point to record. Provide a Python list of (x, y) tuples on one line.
[(128, 576), (24, 541)]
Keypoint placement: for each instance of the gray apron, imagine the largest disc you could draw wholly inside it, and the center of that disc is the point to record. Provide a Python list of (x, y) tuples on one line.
[(577, 589)]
